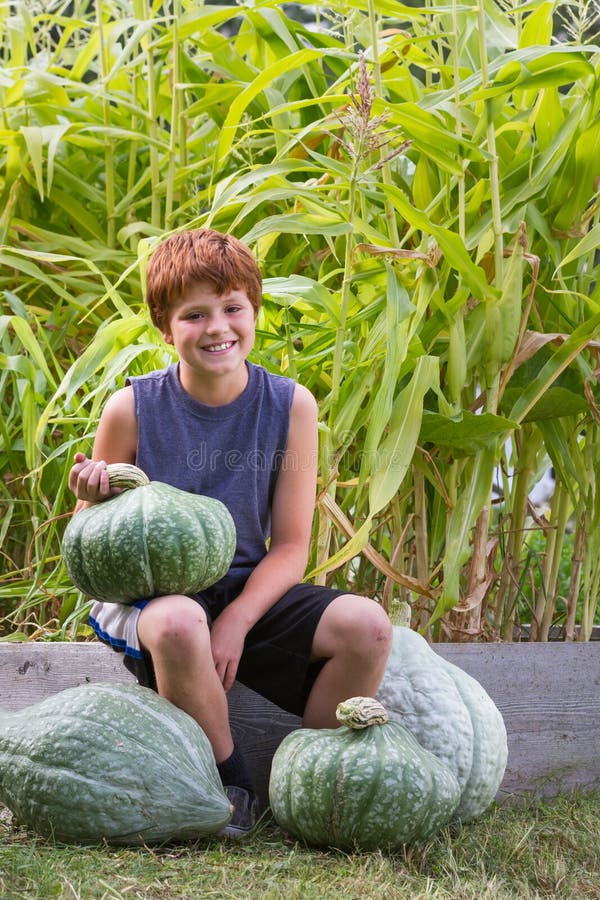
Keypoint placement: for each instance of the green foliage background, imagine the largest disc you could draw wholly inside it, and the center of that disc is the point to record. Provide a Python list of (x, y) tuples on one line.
[(420, 186)]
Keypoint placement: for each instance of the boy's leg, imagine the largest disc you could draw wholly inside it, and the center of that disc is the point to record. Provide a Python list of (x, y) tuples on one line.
[(174, 631), (354, 634)]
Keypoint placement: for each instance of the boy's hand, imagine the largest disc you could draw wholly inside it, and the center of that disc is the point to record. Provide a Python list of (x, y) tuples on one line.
[(227, 638), (88, 479)]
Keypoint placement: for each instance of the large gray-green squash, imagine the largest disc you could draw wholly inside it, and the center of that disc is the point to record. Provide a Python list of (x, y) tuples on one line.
[(366, 785), (450, 714), (112, 762), (150, 540)]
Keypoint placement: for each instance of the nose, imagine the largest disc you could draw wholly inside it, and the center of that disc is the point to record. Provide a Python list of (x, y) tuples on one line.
[(216, 324)]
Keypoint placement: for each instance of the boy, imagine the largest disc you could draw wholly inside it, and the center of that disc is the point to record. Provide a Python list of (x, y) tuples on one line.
[(217, 425)]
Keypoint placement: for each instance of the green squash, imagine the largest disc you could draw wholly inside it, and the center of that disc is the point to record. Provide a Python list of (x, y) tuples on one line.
[(366, 785), (152, 539), (450, 714), (111, 762)]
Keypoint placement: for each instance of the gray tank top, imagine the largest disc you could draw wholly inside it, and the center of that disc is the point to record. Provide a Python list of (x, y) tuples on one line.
[(231, 452)]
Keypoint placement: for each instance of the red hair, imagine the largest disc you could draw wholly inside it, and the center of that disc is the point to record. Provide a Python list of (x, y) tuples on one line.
[(199, 255)]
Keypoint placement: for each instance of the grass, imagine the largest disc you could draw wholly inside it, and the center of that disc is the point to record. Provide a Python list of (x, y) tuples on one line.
[(547, 850)]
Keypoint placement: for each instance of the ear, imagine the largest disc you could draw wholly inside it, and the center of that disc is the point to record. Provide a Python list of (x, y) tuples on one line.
[(166, 334)]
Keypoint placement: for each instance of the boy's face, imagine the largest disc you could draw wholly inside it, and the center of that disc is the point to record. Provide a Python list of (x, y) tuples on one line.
[(212, 333)]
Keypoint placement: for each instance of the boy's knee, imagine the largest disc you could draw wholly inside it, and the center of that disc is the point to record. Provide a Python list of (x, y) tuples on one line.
[(376, 629), (362, 625), (171, 624)]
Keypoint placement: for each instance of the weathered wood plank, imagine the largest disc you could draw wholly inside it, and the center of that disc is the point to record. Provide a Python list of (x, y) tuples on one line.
[(31, 671), (549, 695)]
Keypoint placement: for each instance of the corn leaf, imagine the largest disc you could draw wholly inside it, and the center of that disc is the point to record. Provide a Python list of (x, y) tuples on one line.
[(465, 434), (395, 452)]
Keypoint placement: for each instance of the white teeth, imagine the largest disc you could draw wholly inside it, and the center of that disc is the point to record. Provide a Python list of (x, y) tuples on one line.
[(214, 347)]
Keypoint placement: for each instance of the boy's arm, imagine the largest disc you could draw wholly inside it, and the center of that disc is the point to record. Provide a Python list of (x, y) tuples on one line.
[(116, 441), (292, 508), (291, 521)]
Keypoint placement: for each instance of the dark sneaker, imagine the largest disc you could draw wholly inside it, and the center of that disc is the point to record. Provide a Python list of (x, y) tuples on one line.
[(245, 812)]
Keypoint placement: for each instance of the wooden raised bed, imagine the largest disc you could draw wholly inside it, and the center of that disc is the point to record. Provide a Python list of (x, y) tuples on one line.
[(549, 695)]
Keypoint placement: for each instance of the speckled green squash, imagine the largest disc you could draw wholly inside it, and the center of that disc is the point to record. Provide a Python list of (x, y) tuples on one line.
[(112, 762), (360, 786), (450, 714), (150, 540)]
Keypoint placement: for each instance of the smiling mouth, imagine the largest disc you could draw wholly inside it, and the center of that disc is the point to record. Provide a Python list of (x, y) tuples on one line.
[(215, 348)]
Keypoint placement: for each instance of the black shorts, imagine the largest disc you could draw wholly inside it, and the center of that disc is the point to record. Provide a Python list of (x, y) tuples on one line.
[(276, 660)]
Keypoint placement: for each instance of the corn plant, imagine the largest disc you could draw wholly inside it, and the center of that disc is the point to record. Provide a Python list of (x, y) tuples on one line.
[(420, 187)]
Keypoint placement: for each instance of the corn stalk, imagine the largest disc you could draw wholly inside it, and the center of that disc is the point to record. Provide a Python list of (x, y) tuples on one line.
[(420, 188)]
